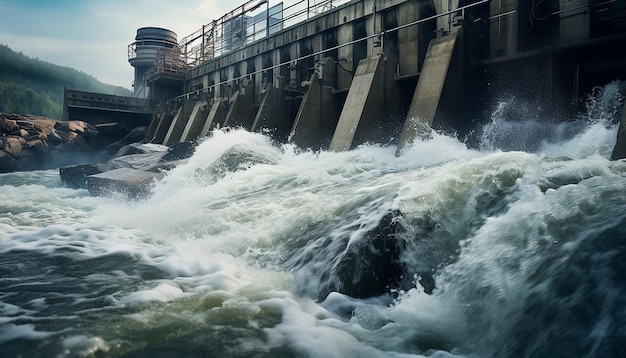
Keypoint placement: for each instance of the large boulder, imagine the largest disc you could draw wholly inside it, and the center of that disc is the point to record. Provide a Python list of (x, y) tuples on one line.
[(129, 175), (128, 182), (34, 142), (76, 176), (134, 136), (371, 265), (7, 162)]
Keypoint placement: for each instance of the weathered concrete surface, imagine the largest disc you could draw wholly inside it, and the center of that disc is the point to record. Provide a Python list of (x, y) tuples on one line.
[(163, 128), (241, 113), (275, 114), (319, 111), (154, 124), (619, 151), (195, 123), (354, 108), (374, 99), (134, 136), (216, 117), (76, 176), (178, 125), (429, 90)]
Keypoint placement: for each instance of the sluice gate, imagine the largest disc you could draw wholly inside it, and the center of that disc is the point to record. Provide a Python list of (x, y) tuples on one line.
[(338, 74)]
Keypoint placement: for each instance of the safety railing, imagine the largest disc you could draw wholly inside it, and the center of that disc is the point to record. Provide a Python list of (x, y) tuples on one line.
[(247, 23), (377, 36), (146, 48), (167, 61)]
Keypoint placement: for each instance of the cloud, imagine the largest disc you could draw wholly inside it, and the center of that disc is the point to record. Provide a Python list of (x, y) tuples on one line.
[(93, 36)]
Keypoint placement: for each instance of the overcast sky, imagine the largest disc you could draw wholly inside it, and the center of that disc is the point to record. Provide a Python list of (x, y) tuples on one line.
[(93, 35)]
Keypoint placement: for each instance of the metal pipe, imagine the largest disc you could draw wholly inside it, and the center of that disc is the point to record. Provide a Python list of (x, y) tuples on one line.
[(501, 15)]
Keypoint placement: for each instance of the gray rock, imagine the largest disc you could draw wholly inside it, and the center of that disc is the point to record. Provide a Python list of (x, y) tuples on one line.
[(7, 162), (178, 151), (76, 176), (131, 183), (136, 135), (13, 146)]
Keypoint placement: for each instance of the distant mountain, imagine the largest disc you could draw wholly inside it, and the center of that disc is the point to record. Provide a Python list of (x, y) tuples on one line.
[(32, 86)]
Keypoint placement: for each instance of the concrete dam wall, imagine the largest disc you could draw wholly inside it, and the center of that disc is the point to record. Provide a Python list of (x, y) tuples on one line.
[(381, 71)]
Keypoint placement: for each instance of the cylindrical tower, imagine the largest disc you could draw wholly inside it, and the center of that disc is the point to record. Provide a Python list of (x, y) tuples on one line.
[(142, 54)]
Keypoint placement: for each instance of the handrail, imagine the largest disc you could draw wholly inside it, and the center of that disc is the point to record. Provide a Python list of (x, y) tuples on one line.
[(132, 48), (376, 35), (244, 25)]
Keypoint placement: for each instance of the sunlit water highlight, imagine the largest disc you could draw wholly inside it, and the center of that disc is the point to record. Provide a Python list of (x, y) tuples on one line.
[(240, 252)]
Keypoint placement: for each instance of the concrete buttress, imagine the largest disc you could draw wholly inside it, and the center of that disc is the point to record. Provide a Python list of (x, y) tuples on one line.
[(216, 116), (165, 125), (619, 151), (177, 124), (433, 80), (372, 102), (152, 129), (195, 122)]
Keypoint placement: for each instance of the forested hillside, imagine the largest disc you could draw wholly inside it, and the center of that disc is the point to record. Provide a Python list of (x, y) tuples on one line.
[(32, 86)]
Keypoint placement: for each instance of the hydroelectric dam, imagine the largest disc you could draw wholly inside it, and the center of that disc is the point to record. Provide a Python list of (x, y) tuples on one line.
[(333, 75)]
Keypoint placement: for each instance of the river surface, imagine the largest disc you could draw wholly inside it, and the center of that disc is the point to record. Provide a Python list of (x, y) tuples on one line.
[(512, 248)]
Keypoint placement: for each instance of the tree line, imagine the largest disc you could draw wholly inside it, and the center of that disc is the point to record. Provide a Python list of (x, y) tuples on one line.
[(32, 86)]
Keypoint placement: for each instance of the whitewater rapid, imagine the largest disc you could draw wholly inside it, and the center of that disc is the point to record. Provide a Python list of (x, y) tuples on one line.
[(245, 250)]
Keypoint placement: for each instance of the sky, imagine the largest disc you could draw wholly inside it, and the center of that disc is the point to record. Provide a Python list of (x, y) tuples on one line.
[(92, 36)]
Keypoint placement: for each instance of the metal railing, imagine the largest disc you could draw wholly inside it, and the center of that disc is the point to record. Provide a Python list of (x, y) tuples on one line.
[(247, 23), (168, 61), (135, 49), (379, 36)]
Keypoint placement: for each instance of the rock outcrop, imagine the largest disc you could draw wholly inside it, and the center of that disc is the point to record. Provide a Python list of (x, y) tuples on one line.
[(131, 173), (32, 142)]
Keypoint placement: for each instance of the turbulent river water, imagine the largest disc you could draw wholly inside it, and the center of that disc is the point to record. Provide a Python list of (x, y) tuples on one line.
[(512, 248)]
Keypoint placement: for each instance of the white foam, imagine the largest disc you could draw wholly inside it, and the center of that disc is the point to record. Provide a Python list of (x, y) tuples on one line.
[(595, 140), (309, 330), (10, 331), (84, 346), (164, 292)]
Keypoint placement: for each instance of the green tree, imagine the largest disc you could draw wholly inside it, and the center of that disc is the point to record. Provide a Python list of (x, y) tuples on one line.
[(32, 86)]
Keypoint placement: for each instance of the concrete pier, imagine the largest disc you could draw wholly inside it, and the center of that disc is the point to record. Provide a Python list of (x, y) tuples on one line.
[(195, 123), (619, 152), (216, 117), (175, 127), (429, 90), (371, 99)]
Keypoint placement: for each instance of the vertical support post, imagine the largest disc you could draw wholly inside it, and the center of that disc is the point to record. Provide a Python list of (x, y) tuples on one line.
[(500, 24), (267, 19), (242, 35), (449, 16), (202, 44)]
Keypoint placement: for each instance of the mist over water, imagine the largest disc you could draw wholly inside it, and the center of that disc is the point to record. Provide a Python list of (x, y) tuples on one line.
[(516, 248)]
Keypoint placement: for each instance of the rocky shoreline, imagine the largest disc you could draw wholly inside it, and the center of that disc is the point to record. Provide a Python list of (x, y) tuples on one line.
[(85, 159), (130, 175), (32, 142)]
